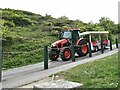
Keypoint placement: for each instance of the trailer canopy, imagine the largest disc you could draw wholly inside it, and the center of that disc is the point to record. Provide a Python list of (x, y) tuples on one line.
[(94, 32)]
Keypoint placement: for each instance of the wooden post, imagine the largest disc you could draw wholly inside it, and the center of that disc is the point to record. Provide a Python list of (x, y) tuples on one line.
[(73, 53), (45, 57), (110, 44), (102, 49), (73, 49), (90, 51), (116, 43)]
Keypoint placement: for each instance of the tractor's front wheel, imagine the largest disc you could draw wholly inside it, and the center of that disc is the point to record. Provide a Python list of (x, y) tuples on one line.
[(53, 55), (65, 54)]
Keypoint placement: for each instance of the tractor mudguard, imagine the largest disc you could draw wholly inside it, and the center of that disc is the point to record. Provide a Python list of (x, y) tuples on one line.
[(77, 43)]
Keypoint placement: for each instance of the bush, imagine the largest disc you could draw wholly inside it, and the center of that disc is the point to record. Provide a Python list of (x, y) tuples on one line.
[(54, 33), (19, 21)]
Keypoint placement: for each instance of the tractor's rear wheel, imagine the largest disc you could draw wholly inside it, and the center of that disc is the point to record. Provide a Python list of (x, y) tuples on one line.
[(83, 49), (65, 54), (53, 55)]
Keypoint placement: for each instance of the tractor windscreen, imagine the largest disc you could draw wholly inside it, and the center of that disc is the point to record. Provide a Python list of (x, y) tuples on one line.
[(67, 35)]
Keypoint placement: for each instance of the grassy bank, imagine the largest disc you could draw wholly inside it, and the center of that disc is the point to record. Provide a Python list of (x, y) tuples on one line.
[(102, 73)]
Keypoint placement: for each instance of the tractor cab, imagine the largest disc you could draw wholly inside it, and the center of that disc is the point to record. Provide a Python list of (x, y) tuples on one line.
[(72, 34)]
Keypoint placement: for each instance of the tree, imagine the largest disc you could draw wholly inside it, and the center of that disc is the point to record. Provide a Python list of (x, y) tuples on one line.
[(90, 26), (63, 18), (108, 25)]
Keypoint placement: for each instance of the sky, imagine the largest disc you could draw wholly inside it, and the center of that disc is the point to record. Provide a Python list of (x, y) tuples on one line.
[(84, 10)]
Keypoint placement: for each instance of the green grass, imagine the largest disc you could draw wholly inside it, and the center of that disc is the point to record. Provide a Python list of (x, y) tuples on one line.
[(102, 73), (30, 44), (22, 59)]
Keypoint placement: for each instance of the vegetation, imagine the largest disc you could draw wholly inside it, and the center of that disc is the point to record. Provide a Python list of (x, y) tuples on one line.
[(102, 73), (24, 34)]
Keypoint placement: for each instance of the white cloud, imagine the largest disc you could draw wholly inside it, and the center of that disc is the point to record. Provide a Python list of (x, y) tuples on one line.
[(85, 10)]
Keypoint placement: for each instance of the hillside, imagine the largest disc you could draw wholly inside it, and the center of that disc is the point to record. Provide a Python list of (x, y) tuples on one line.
[(24, 34)]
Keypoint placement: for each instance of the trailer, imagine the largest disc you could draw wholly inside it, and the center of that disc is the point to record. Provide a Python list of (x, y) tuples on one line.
[(95, 38)]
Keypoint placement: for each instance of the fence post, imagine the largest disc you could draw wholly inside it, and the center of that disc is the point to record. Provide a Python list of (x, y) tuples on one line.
[(116, 43), (73, 49), (102, 49), (110, 44), (73, 52), (90, 51), (45, 57)]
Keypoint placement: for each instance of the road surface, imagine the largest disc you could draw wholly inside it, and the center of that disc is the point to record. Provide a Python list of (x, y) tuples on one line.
[(14, 78)]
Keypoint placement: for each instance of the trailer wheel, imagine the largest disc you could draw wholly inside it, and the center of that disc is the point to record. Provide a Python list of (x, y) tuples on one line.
[(53, 55), (96, 48), (65, 54), (83, 49)]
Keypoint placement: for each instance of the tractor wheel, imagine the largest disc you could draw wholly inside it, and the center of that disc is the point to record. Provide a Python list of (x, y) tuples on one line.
[(53, 55), (65, 54), (83, 49)]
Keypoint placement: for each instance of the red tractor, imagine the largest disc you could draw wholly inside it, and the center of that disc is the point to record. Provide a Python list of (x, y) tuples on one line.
[(63, 46)]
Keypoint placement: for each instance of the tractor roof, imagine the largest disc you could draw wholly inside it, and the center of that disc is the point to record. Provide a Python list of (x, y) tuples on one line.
[(94, 32)]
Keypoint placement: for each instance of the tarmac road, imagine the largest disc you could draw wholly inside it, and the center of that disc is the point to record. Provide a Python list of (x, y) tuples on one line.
[(24, 75)]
